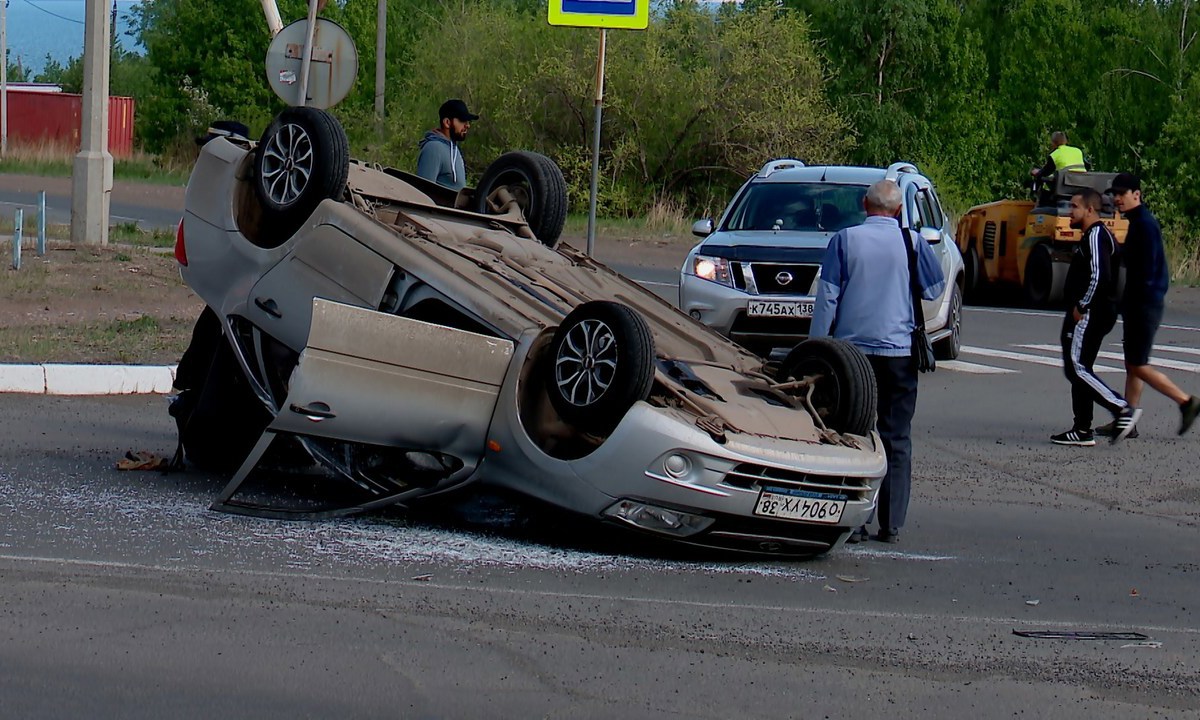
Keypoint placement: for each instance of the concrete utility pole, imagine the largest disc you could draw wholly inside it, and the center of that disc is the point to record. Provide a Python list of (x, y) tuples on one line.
[(92, 176), (380, 53)]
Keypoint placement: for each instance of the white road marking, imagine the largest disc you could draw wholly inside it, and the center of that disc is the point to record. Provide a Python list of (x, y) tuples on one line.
[(973, 368), (1008, 311), (1026, 357), (768, 610), (651, 282), (1174, 349), (1155, 362), (1050, 314)]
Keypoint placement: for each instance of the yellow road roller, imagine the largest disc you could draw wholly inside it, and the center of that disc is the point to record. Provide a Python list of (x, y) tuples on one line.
[(1020, 249)]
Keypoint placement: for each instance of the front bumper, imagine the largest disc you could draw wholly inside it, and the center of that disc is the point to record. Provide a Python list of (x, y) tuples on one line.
[(724, 309), (723, 481)]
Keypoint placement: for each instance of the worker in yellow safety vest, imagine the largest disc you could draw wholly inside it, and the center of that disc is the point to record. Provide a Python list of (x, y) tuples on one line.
[(1062, 157)]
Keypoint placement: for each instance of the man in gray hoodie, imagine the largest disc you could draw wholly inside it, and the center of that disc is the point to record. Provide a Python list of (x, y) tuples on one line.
[(440, 159)]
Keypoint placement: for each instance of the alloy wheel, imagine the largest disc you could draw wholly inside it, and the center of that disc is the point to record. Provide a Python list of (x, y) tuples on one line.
[(586, 362)]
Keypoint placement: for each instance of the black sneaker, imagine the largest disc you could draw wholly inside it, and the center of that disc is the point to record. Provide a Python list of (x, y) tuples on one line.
[(1125, 423), (1189, 410), (888, 536), (1108, 431), (1082, 438), (859, 535)]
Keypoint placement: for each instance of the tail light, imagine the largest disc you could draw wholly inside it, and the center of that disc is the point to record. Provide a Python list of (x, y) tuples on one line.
[(180, 250)]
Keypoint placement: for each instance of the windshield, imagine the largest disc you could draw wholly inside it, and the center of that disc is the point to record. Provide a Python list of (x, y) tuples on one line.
[(812, 207)]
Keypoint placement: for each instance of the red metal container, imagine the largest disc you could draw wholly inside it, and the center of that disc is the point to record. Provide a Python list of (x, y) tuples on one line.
[(55, 119)]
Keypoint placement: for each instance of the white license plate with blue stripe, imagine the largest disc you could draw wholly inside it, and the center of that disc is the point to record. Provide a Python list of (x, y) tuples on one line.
[(800, 505)]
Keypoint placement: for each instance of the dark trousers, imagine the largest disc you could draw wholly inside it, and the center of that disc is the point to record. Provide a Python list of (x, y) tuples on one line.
[(897, 381), (1080, 343)]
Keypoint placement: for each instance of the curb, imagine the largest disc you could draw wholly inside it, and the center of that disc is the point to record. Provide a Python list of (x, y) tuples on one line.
[(68, 379)]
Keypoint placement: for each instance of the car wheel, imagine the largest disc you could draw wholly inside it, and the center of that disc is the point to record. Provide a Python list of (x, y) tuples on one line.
[(948, 347), (538, 187), (302, 159), (602, 362), (845, 392), (1044, 278)]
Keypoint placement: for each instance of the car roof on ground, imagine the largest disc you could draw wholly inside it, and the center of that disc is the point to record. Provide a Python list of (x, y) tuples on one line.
[(840, 174)]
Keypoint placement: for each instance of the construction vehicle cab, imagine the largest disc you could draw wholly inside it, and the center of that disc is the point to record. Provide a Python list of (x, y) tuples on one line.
[(1027, 244)]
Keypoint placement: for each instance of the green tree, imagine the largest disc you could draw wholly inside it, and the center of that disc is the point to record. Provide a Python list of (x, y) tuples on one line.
[(69, 77), (16, 71), (912, 76), (692, 104)]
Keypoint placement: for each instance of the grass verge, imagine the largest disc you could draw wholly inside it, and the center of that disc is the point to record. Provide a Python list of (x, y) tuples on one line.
[(57, 161), (144, 340)]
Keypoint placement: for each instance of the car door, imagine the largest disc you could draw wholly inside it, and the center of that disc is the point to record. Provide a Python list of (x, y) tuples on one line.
[(378, 379), (923, 212), (324, 263)]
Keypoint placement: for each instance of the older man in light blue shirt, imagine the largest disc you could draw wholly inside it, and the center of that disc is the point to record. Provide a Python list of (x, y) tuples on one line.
[(864, 297)]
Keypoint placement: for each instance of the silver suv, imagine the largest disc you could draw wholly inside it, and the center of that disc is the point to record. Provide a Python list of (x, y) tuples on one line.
[(753, 276)]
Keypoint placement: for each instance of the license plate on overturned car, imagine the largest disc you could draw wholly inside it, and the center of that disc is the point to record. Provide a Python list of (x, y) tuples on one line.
[(789, 504), (780, 308)]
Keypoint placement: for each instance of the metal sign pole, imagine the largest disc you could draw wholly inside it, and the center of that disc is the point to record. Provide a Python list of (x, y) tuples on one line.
[(306, 61), (41, 226), (3, 78), (17, 222), (380, 64), (591, 231)]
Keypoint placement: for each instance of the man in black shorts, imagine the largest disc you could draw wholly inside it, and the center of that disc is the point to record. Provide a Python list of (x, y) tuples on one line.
[(1146, 282)]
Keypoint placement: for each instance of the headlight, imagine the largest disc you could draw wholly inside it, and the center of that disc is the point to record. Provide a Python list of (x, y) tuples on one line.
[(657, 519), (714, 269)]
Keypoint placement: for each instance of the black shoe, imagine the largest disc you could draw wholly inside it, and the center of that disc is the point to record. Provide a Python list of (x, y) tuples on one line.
[(1125, 423), (1108, 431), (1081, 438), (1189, 410), (859, 535), (890, 536)]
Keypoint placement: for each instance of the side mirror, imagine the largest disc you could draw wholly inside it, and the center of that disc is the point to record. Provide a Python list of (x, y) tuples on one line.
[(933, 236), (703, 228)]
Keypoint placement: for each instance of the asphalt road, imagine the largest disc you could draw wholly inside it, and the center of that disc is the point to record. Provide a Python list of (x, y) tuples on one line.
[(125, 207), (124, 596)]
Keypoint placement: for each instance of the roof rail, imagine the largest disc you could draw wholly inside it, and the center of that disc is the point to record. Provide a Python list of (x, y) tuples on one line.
[(777, 165), (896, 168)]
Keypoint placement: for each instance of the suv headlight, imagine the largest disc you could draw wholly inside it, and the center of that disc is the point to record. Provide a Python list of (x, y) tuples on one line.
[(713, 269)]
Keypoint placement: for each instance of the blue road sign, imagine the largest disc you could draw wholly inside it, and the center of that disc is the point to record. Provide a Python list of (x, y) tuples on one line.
[(617, 14)]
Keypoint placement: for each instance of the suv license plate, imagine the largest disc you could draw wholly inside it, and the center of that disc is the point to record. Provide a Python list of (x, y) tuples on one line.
[(780, 308), (799, 507)]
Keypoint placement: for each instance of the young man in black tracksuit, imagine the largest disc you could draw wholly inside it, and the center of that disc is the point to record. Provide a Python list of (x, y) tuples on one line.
[(1091, 290)]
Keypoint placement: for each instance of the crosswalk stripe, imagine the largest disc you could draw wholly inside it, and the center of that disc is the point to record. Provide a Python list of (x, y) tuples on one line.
[(1055, 362), (1154, 362), (973, 368), (1175, 349)]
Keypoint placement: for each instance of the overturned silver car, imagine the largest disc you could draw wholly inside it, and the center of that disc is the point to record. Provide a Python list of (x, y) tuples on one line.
[(411, 340)]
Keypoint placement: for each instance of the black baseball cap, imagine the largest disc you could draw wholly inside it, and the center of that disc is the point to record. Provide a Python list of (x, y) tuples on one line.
[(1125, 182), (456, 109)]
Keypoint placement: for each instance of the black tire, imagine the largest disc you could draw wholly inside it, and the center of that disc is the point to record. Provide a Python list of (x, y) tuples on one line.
[(601, 363), (1044, 278), (973, 270), (846, 394), (950, 346), (538, 186), (226, 418), (302, 159)]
